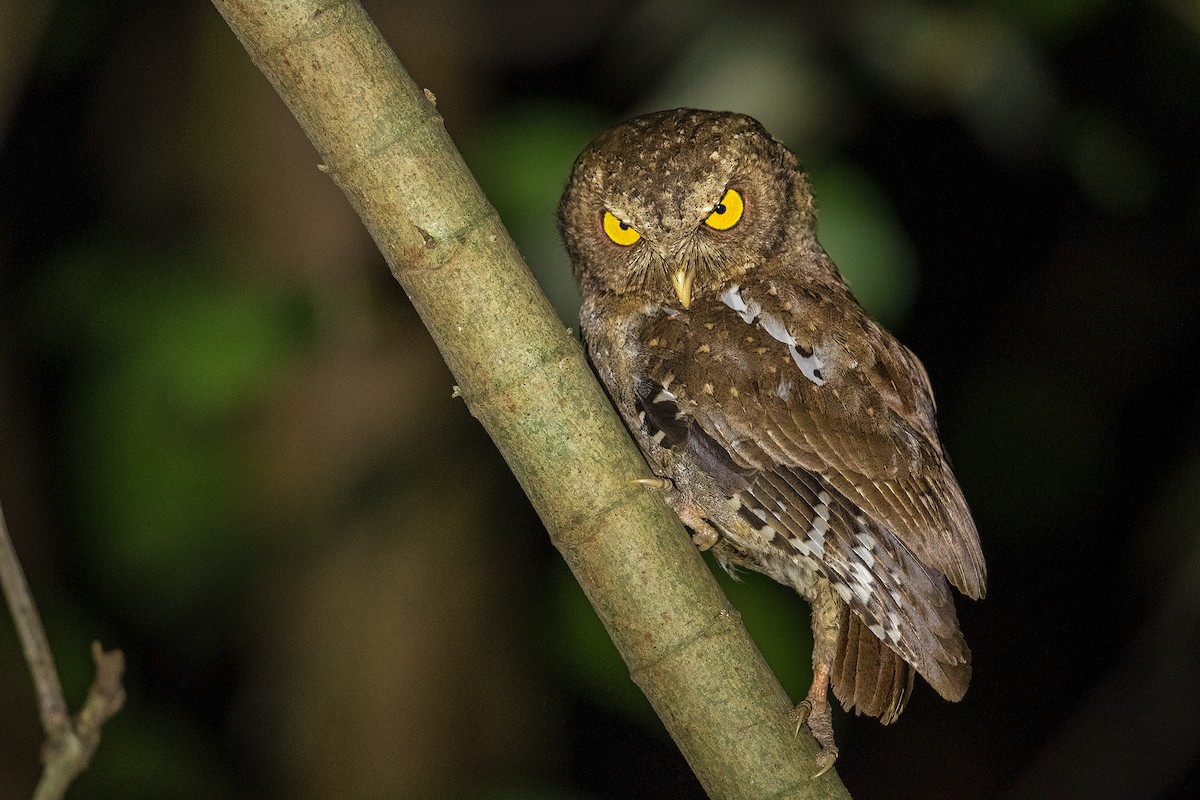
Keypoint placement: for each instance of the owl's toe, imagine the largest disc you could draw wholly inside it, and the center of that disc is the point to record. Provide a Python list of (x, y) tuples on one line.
[(814, 710), (704, 535)]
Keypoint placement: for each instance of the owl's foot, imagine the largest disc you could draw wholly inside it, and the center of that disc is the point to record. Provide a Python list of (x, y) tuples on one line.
[(815, 711), (704, 535), (705, 539)]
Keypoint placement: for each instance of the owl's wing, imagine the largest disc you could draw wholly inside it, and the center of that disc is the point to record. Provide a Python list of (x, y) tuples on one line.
[(765, 386), (765, 420)]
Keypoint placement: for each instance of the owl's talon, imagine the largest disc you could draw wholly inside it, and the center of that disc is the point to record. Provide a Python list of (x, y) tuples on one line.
[(820, 724), (704, 539), (825, 760), (655, 483), (815, 711), (799, 715)]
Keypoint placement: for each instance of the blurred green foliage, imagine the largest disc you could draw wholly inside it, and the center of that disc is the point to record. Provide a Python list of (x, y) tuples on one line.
[(860, 231), (522, 158), (169, 361)]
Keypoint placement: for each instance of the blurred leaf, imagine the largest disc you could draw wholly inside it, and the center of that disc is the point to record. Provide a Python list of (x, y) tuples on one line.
[(860, 231), (169, 364), (966, 58), (1174, 520), (75, 30), (522, 160), (750, 63)]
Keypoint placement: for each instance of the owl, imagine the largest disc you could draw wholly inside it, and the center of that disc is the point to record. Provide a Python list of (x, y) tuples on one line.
[(792, 434)]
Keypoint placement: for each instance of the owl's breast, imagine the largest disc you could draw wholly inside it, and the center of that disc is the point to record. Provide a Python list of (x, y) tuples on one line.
[(739, 348)]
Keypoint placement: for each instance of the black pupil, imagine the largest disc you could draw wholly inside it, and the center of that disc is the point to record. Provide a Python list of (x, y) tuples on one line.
[(719, 208), (624, 226)]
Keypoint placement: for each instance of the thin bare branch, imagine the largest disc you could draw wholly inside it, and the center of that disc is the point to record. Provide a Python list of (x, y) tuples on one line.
[(69, 743), (51, 705)]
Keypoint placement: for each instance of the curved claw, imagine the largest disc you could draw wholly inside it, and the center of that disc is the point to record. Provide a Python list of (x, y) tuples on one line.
[(815, 711), (825, 760), (799, 715)]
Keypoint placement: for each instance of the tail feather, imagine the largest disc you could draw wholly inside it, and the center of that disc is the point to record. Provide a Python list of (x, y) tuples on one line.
[(869, 677)]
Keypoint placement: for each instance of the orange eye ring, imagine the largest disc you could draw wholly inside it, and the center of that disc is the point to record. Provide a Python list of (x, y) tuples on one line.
[(620, 232), (726, 213)]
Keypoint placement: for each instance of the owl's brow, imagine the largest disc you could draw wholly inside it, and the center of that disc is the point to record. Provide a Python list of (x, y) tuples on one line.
[(720, 195), (618, 212)]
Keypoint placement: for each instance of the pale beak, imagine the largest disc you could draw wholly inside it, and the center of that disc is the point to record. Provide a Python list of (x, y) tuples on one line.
[(682, 279)]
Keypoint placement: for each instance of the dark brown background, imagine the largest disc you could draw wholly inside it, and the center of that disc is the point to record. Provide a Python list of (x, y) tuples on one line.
[(228, 447)]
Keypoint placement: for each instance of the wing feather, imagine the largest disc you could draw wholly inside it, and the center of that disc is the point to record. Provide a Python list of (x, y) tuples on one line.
[(866, 500), (888, 462)]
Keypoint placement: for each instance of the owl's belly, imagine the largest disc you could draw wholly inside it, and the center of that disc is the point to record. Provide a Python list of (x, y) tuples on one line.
[(799, 571)]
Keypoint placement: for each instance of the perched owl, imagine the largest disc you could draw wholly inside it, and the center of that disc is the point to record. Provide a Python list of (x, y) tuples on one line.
[(793, 435)]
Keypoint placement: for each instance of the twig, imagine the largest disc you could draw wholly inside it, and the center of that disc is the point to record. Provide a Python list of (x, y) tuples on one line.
[(33, 638), (69, 743)]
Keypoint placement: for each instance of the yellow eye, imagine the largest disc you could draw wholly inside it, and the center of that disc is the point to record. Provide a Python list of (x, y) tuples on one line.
[(620, 232), (726, 213)]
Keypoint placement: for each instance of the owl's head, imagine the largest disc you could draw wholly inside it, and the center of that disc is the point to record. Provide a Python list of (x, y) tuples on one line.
[(674, 205)]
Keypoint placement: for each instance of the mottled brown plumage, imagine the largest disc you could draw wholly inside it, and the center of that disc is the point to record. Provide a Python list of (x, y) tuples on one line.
[(798, 435)]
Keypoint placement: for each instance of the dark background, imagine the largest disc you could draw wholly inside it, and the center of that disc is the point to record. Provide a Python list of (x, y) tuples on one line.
[(228, 447)]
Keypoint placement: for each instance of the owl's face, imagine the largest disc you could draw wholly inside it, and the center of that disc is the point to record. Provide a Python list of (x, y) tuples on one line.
[(672, 206)]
